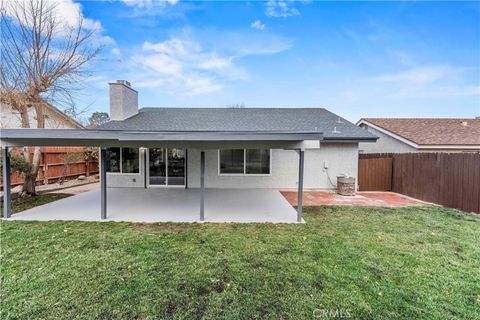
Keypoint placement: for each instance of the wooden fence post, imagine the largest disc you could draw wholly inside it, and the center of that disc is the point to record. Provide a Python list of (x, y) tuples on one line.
[(45, 173)]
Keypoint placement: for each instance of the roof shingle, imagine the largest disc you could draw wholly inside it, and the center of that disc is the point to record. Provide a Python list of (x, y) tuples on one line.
[(242, 120), (433, 131)]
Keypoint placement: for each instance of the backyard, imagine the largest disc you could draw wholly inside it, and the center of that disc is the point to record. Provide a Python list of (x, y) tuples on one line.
[(21, 204), (361, 262)]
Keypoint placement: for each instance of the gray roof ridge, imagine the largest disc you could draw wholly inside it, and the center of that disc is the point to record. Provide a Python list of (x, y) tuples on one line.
[(233, 108), (427, 118)]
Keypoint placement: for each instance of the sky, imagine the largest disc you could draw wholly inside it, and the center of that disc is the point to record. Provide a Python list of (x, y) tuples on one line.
[(357, 59)]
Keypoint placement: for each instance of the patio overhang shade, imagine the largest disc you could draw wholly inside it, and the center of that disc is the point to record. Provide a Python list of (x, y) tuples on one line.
[(199, 140), (193, 139)]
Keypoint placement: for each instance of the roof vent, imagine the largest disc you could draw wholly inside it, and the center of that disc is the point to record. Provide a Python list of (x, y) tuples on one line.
[(236, 105), (464, 123), (335, 130), (124, 82)]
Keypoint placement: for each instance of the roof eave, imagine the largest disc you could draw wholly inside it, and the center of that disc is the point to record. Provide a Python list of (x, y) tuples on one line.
[(449, 146), (350, 139), (92, 137)]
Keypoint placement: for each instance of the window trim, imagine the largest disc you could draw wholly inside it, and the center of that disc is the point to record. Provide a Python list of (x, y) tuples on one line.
[(245, 165), (121, 164)]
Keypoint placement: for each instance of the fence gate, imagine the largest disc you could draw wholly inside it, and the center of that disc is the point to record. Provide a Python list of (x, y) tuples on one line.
[(375, 174)]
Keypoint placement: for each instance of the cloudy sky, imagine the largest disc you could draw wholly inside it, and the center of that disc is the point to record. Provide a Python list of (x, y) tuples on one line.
[(358, 59)]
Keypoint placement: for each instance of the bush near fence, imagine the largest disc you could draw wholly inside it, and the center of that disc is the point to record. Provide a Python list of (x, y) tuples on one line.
[(56, 163), (448, 179)]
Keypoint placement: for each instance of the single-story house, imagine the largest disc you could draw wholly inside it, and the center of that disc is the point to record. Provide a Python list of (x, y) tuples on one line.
[(421, 135), (211, 147)]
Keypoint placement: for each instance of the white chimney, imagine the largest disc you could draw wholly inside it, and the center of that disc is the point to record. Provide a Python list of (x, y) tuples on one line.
[(123, 100)]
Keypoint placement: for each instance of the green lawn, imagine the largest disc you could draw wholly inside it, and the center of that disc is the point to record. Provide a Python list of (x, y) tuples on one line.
[(366, 263)]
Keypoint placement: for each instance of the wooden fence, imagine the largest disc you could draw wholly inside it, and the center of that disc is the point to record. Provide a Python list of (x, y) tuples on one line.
[(60, 163), (375, 174), (448, 179)]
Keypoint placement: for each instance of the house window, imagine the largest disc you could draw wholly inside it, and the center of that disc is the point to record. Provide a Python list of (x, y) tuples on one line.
[(257, 161), (232, 161), (123, 160), (113, 160), (130, 160), (244, 161)]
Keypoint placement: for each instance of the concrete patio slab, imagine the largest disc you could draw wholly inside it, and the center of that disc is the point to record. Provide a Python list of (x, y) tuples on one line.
[(78, 189), (169, 205)]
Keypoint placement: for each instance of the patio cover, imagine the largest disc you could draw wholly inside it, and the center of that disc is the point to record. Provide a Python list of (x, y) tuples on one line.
[(128, 138), (202, 140)]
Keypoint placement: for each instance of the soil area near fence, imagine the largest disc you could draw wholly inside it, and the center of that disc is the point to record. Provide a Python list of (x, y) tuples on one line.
[(73, 186)]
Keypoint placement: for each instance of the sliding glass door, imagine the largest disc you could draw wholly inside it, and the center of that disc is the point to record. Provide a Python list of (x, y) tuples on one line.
[(166, 167), (175, 167), (157, 167)]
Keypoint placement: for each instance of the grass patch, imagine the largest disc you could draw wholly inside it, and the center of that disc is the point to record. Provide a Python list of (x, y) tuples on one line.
[(417, 262), (21, 204)]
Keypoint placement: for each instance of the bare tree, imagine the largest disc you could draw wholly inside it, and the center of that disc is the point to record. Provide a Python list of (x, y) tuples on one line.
[(42, 59)]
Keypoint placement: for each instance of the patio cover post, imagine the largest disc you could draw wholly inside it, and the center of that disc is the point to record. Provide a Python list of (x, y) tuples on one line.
[(103, 182), (202, 185), (301, 156), (7, 207)]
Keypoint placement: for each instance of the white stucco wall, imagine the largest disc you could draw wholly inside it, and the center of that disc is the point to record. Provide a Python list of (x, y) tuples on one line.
[(10, 119), (385, 144), (342, 158), (129, 179)]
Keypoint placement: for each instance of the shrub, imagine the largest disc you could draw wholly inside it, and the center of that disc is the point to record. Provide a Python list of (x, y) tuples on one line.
[(18, 164)]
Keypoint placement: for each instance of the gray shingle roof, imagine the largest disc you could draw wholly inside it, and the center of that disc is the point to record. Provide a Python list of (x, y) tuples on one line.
[(242, 120)]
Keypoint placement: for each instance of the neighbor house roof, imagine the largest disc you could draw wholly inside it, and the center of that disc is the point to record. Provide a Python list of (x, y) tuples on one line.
[(431, 131), (65, 116), (59, 113), (242, 120)]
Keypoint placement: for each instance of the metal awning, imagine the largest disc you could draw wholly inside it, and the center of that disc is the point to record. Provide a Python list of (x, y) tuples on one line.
[(104, 138), (199, 140)]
